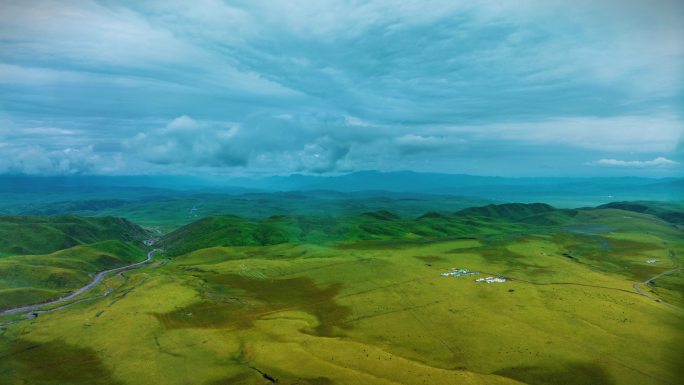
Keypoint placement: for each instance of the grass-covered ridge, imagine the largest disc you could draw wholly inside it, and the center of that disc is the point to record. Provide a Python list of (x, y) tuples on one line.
[(169, 210), (46, 257), (379, 225), (510, 211), (672, 212), (44, 234), (373, 225), (29, 279), (386, 225)]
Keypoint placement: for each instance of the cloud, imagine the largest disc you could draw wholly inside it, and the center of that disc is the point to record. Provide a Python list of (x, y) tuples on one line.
[(330, 85), (410, 144), (321, 156), (436, 61), (280, 143), (657, 162), (630, 133), (189, 142), (36, 160)]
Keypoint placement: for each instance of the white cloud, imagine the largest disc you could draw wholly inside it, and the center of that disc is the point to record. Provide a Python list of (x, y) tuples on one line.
[(36, 160), (640, 134), (267, 143), (321, 156), (354, 121), (190, 142), (99, 43), (413, 144), (657, 162)]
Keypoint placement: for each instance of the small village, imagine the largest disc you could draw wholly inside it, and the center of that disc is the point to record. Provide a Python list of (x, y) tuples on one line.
[(491, 280), (456, 272)]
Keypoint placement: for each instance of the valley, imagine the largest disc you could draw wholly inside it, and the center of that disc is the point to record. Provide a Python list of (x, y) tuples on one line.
[(362, 299), (341, 192)]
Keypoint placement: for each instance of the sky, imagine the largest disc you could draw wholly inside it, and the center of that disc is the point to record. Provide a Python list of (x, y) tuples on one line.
[(261, 87)]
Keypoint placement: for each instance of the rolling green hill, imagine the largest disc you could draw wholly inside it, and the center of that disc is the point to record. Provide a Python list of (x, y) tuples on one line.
[(171, 209), (375, 225), (46, 257), (42, 235), (672, 212), (363, 299), (534, 213), (388, 226), (378, 225), (28, 279), (508, 211)]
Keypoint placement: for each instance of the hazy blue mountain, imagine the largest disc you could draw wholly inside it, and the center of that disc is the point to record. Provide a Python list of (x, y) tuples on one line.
[(565, 192)]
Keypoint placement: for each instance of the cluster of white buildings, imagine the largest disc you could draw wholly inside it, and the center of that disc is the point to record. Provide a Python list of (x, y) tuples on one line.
[(459, 273), (455, 272), (652, 261), (491, 280)]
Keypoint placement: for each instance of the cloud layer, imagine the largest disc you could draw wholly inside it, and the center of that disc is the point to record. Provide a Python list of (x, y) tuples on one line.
[(657, 162), (516, 88)]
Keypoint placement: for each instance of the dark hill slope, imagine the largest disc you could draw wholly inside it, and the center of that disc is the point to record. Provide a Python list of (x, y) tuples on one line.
[(539, 214), (235, 231), (508, 211), (672, 212), (42, 235), (378, 225)]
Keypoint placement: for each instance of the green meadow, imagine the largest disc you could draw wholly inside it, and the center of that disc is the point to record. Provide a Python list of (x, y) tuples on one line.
[(360, 299)]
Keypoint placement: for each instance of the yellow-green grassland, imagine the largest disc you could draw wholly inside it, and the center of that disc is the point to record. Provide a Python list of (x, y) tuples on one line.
[(378, 311)]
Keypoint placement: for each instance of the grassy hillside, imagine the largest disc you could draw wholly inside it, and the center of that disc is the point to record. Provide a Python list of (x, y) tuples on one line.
[(378, 311), (28, 279), (377, 225), (42, 235), (672, 212), (316, 300), (510, 211), (46, 257), (385, 225)]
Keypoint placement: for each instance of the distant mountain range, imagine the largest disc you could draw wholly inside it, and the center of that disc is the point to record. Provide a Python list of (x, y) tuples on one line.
[(558, 191), (467, 185)]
